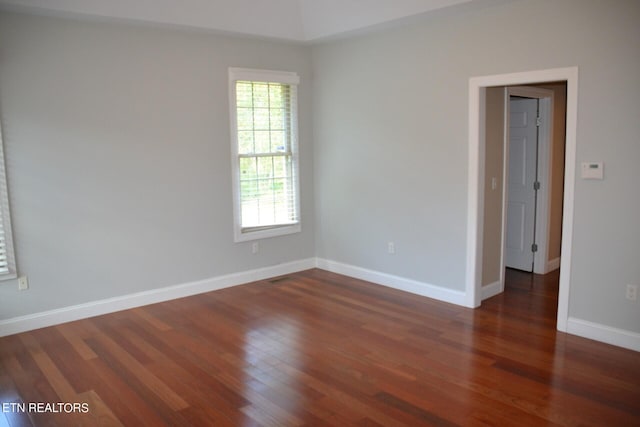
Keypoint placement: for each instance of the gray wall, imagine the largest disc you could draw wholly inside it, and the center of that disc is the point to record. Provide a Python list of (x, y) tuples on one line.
[(390, 138), (118, 158)]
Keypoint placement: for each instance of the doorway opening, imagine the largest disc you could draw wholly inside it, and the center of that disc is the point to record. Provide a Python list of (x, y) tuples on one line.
[(524, 173), (534, 150), (479, 87), (527, 149)]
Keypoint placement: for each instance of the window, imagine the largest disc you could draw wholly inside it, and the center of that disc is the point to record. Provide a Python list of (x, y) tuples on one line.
[(264, 133), (7, 258)]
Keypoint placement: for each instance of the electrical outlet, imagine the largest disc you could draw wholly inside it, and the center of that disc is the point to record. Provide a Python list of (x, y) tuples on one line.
[(23, 283), (391, 248), (255, 248), (632, 292)]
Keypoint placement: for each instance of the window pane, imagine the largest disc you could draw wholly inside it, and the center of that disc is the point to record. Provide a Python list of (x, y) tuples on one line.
[(249, 190), (244, 96), (262, 142), (248, 170), (265, 187), (245, 118), (250, 213), (276, 118), (265, 167), (260, 95), (275, 95), (280, 167), (245, 142), (281, 198), (261, 117), (277, 142), (266, 211), (278, 185)]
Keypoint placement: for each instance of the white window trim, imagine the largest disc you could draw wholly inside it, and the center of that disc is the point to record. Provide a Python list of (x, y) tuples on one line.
[(5, 219), (236, 74)]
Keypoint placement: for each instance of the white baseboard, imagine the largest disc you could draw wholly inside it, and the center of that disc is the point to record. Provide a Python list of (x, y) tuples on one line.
[(110, 305), (553, 264), (583, 328), (490, 290), (396, 282), (603, 333)]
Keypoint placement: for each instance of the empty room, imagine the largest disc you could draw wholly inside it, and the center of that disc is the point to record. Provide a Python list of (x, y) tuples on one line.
[(331, 213)]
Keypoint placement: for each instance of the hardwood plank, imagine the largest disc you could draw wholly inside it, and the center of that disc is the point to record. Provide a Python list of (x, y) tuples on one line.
[(76, 337), (319, 349), (114, 355), (9, 396), (99, 411), (151, 319), (122, 399), (61, 386), (418, 412), (30, 383)]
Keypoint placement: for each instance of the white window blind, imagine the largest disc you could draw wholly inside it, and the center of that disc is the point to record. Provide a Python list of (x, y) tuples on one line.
[(265, 163), (7, 258)]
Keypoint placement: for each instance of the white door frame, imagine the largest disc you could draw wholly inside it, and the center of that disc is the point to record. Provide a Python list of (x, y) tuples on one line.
[(546, 98), (477, 89)]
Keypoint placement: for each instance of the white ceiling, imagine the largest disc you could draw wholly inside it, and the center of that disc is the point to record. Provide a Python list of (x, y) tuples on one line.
[(298, 20)]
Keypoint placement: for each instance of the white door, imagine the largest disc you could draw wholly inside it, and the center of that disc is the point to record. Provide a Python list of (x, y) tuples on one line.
[(521, 195)]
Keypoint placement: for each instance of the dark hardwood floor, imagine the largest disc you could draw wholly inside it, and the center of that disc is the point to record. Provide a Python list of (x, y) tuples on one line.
[(316, 348)]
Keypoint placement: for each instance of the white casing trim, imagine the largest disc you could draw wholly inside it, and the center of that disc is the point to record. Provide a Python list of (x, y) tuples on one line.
[(603, 333), (96, 308), (395, 282), (475, 198)]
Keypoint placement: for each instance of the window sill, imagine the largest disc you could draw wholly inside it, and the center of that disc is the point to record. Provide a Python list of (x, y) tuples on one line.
[(266, 233)]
